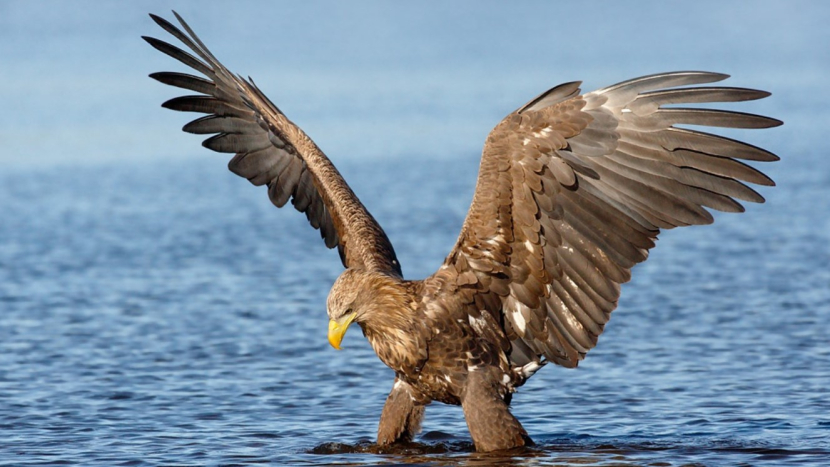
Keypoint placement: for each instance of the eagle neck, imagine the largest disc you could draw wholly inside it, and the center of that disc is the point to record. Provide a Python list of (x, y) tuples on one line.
[(391, 326)]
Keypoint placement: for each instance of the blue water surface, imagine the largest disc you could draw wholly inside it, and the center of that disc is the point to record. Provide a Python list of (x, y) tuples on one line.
[(155, 309)]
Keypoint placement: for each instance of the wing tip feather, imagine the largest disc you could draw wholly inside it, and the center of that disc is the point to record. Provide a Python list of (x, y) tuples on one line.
[(162, 22), (775, 122), (153, 41), (172, 104)]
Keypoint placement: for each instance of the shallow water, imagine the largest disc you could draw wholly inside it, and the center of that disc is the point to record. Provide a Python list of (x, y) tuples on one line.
[(168, 315)]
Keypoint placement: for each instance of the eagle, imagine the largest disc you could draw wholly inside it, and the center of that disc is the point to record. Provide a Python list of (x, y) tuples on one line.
[(572, 192)]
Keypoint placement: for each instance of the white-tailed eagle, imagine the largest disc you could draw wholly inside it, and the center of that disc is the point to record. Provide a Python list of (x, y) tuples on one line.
[(572, 191)]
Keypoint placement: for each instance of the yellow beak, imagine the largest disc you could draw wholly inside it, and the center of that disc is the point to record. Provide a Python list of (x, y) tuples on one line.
[(338, 328)]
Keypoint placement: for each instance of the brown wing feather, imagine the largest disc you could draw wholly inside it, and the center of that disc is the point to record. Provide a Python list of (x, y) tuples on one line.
[(270, 150), (574, 189)]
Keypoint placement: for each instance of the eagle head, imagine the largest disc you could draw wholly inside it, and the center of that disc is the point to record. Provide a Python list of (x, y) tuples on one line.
[(342, 305), (372, 299)]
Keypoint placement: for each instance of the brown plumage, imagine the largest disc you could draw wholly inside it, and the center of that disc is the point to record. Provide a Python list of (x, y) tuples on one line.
[(572, 191)]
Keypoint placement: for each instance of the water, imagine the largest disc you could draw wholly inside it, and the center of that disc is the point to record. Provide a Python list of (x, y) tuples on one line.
[(157, 310), (170, 316)]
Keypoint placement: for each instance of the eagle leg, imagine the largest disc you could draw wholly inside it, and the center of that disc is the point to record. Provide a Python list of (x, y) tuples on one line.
[(401, 416), (491, 424)]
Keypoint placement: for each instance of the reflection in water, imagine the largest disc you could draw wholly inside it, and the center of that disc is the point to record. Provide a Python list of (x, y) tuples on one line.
[(440, 453), (565, 452)]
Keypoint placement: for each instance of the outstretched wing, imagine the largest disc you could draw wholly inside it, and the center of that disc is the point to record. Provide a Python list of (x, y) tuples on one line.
[(270, 150), (574, 189)]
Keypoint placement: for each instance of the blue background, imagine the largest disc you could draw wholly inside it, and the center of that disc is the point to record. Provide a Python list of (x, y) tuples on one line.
[(157, 310)]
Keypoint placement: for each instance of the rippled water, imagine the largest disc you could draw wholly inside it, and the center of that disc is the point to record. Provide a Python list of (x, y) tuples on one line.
[(168, 315), (157, 310)]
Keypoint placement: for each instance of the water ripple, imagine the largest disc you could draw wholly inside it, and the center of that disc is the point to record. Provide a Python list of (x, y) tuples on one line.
[(184, 325)]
